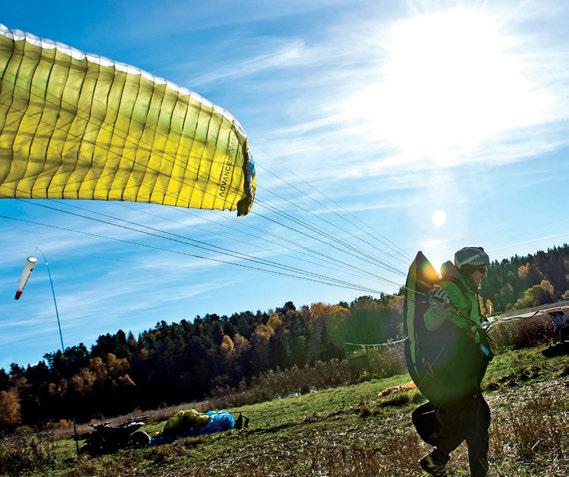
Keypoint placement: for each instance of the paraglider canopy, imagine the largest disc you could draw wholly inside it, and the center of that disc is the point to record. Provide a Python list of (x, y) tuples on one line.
[(80, 126)]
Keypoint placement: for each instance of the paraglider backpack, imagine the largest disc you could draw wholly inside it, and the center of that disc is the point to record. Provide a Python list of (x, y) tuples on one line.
[(423, 349), (420, 346)]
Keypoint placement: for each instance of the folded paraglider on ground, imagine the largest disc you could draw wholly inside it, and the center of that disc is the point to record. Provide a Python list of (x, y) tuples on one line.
[(190, 422)]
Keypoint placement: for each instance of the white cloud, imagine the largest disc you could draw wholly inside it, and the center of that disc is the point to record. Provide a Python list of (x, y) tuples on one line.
[(224, 14), (293, 54)]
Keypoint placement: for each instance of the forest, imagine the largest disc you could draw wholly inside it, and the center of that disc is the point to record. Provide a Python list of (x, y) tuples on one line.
[(189, 360)]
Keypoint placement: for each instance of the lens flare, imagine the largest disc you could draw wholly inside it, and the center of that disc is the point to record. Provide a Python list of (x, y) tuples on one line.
[(439, 218), (451, 82)]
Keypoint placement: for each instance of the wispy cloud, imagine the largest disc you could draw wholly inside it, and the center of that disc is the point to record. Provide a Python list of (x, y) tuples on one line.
[(293, 54), (352, 149), (108, 303), (313, 83), (177, 17)]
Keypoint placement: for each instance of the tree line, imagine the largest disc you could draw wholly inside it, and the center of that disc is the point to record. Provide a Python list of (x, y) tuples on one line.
[(190, 360), (522, 282)]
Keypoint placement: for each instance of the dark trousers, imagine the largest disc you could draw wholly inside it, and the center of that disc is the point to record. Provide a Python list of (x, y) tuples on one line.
[(467, 419)]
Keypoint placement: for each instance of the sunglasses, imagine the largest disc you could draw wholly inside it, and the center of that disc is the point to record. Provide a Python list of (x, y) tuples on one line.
[(482, 269)]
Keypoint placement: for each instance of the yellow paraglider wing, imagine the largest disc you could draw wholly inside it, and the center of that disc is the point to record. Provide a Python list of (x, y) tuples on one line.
[(79, 126)]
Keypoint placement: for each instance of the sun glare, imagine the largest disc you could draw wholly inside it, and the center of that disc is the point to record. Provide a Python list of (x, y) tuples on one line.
[(439, 218), (451, 81)]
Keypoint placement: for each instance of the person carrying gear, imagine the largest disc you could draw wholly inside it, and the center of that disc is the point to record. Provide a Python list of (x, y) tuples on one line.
[(560, 326), (457, 410)]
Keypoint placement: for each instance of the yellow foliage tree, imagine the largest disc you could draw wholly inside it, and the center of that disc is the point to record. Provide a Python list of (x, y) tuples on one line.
[(523, 270), (241, 343), (82, 383), (10, 415), (274, 322), (117, 366), (489, 307), (548, 287), (263, 333), (227, 346)]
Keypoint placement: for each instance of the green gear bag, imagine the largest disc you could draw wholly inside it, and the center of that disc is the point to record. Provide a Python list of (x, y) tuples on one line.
[(447, 363)]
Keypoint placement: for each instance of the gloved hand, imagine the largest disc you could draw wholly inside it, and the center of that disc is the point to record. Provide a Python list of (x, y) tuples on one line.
[(439, 310), (439, 296)]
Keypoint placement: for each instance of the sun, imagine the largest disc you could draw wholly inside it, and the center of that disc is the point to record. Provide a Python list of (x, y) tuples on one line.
[(439, 218), (451, 81)]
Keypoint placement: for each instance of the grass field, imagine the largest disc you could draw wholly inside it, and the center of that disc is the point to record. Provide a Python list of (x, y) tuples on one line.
[(350, 431)]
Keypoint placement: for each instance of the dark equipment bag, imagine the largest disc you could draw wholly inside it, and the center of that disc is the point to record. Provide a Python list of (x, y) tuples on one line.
[(426, 421)]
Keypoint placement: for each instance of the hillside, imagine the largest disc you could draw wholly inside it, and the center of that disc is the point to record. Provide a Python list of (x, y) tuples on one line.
[(193, 360), (350, 431)]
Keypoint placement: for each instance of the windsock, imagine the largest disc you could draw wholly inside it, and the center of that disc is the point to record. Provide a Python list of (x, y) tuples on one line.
[(28, 269)]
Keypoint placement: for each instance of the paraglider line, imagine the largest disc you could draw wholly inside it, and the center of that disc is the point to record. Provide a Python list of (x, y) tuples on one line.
[(188, 167), (91, 118), (330, 281)]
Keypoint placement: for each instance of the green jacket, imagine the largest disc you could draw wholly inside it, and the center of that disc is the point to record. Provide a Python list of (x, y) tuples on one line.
[(460, 366), (464, 311)]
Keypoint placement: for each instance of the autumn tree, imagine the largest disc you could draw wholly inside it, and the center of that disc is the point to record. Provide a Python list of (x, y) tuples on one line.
[(10, 416)]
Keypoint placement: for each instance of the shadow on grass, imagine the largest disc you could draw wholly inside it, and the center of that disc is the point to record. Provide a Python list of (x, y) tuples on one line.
[(560, 349)]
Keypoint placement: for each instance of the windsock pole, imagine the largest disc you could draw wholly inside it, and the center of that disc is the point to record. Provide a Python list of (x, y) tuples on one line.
[(60, 338), (55, 304)]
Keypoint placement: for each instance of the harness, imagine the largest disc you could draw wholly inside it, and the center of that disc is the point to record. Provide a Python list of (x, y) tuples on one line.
[(466, 293), (476, 331)]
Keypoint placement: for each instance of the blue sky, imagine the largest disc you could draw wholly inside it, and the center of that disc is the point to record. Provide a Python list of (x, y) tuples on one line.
[(435, 124)]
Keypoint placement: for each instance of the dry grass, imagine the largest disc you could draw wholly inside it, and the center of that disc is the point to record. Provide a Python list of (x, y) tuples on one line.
[(398, 456), (528, 437), (22, 454), (533, 429), (293, 381)]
